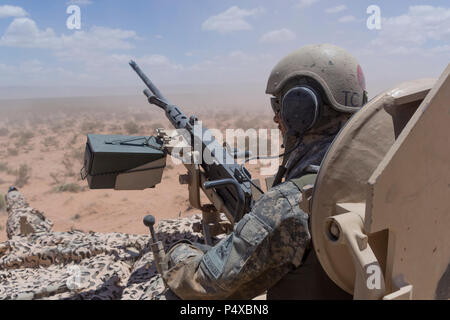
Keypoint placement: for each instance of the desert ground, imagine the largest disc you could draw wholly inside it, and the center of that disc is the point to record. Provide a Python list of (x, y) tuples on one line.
[(42, 143)]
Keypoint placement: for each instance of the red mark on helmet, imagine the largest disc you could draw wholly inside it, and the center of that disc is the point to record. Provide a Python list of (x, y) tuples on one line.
[(361, 78)]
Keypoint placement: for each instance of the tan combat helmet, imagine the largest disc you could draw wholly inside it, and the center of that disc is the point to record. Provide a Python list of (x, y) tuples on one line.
[(337, 71)]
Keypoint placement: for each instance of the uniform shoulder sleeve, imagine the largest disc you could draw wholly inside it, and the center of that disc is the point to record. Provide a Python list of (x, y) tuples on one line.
[(265, 245)]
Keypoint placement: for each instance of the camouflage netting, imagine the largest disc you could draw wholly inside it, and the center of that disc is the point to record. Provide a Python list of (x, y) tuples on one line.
[(38, 263)]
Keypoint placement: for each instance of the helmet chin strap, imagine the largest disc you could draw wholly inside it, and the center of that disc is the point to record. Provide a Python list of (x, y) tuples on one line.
[(290, 143)]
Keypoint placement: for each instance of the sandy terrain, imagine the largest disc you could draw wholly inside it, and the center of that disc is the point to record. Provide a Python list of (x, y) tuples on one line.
[(42, 146)]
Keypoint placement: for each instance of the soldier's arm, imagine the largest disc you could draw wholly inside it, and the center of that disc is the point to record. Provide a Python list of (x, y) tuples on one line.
[(265, 245)]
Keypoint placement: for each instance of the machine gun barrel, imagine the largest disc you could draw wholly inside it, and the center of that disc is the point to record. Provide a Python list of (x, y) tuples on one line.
[(147, 81)]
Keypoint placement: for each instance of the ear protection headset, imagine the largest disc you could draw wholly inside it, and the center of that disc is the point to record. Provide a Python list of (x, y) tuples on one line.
[(300, 109)]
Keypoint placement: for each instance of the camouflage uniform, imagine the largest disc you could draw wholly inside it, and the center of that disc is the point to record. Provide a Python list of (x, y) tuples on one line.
[(38, 263), (268, 243)]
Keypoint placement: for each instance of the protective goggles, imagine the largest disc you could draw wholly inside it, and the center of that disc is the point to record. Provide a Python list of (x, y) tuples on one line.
[(276, 106)]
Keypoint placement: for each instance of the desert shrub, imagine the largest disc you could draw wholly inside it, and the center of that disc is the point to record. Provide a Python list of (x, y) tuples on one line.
[(26, 135), (56, 128), (37, 121), (13, 152), (4, 132), (23, 138), (4, 166), (142, 116), (69, 123), (92, 127), (68, 165), (74, 139), (76, 217), (223, 116), (69, 187), (131, 127), (55, 178), (2, 202), (22, 175), (114, 128), (50, 142), (78, 154), (243, 124)]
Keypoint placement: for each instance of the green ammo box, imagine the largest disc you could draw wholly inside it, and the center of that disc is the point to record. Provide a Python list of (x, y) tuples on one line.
[(123, 162)]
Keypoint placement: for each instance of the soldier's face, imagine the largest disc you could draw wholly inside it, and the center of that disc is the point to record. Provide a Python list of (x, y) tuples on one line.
[(277, 111), (280, 123)]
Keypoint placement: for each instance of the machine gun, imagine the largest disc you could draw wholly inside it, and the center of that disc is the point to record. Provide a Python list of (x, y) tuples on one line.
[(227, 184), (136, 163)]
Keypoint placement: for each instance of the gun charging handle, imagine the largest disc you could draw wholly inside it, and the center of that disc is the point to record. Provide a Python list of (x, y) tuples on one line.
[(154, 99), (156, 246)]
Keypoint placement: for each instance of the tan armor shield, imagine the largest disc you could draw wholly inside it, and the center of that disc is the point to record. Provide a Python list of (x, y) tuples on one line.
[(380, 208)]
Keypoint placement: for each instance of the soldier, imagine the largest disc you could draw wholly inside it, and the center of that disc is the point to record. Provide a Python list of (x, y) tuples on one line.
[(314, 92)]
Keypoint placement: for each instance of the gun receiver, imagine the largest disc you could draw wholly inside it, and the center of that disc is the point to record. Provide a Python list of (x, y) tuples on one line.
[(228, 181)]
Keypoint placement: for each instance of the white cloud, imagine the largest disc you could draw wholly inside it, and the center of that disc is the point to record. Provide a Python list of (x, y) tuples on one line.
[(159, 61), (441, 49), (100, 38), (419, 25), (79, 2), (336, 9), (346, 19), (7, 11), (240, 57), (233, 61), (31, 66), (233, 19), (99, 53), (305, 3), (278, 36), (5, 69), (415, 32), (23, 32)]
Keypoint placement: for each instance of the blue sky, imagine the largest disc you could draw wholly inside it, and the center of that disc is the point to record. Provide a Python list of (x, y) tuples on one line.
[(209, 41)]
